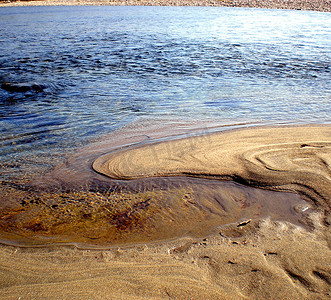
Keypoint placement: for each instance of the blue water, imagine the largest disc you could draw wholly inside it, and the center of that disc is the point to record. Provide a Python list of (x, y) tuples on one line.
[(103, 67)]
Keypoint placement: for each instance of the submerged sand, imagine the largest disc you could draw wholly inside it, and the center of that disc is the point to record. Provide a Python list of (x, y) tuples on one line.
[(269, 234)]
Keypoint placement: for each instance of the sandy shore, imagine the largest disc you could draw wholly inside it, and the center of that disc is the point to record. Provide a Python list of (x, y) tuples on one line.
[(267, 260), (318, 5), (247, 258), (268, 239)]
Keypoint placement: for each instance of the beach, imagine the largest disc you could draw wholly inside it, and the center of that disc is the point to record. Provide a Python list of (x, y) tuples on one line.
[(269, 260), (288, 245), (317, 5), (161, 162)]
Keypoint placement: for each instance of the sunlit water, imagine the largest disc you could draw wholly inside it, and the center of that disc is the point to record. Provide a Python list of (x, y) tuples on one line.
[(99, 68), (71, 76)]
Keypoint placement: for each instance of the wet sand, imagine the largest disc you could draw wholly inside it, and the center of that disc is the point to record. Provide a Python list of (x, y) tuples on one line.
[(277, 158), (165, 210), (317, 5), (186, 185), (229, 214), (264, 260)]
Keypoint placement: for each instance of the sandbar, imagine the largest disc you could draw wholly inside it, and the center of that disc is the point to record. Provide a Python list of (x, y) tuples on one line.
[(296, 159)]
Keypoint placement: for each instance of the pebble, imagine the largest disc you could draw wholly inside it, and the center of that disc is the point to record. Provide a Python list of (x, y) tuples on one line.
[(317, 5)]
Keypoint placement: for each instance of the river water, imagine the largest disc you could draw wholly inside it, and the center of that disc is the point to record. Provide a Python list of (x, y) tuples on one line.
[(99, 68)]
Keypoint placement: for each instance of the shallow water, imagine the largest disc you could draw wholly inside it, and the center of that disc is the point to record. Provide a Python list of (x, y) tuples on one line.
[(78, 82), (76, 205), (100, 68)]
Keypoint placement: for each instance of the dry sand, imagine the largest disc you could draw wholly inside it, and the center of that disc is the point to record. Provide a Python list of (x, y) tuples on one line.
[(318, 5), (260, 258)]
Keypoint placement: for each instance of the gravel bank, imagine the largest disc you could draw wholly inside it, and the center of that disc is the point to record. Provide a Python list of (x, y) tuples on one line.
[(317, 5)]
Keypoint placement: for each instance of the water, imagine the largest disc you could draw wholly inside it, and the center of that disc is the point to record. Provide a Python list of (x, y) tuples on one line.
[(71, 75), (103, 67)]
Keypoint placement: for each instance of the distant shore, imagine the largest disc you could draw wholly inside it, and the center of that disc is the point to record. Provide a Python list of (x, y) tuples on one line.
[(317, 5)]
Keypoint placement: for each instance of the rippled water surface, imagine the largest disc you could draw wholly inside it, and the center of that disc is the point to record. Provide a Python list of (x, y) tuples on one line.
[(87, 71)]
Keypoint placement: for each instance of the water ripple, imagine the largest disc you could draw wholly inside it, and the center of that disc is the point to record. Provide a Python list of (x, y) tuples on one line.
[(101, 68)]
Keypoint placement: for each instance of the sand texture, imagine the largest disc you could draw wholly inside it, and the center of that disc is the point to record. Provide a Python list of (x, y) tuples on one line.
[(236, 214), (281, 158), (268, 260)]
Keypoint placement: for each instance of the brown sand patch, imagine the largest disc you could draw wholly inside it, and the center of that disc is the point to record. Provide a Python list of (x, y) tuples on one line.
[(178, 207), (270, 260)]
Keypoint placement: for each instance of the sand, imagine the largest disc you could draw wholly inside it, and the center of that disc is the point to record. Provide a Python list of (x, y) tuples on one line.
[(282, 252), (268, 260), (278, 158), (262, 256)]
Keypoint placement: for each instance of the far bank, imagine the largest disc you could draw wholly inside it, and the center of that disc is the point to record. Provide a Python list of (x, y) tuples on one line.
[(316, 5)]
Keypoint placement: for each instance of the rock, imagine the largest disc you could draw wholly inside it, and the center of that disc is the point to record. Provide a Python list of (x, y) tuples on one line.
[(22, 87)]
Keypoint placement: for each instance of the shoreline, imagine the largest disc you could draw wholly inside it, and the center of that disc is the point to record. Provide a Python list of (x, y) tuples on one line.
[(79, 234), (322, 6), (244, 259), (114, 192)]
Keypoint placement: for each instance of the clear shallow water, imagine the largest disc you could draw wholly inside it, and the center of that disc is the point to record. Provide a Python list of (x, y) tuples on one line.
[(103, 67)]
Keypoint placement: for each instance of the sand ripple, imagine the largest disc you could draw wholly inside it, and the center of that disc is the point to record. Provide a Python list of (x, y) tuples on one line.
[(279, 158)]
